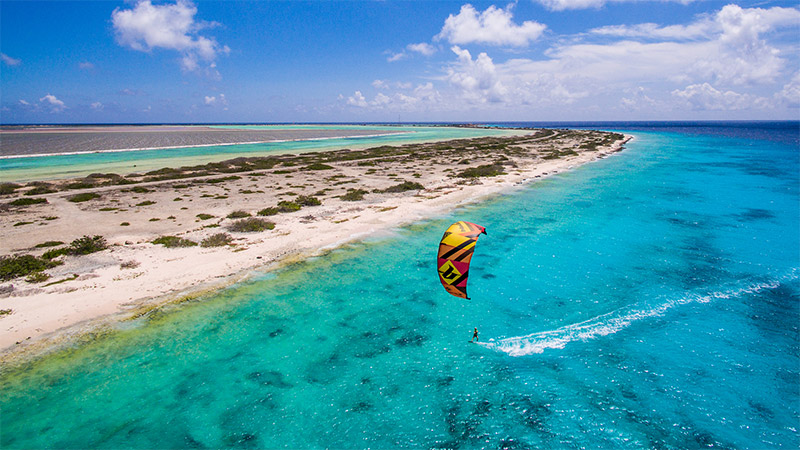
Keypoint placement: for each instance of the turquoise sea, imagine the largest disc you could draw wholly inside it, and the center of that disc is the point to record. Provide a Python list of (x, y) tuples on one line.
[(648, 300)]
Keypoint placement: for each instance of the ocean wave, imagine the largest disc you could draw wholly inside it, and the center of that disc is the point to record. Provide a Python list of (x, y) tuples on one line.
[(615, 321)]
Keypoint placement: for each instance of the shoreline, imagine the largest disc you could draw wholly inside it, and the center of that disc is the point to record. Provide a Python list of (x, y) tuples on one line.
[(97, 292)]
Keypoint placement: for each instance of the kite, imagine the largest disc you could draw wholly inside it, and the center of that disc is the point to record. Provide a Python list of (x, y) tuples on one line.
[(455, 254)]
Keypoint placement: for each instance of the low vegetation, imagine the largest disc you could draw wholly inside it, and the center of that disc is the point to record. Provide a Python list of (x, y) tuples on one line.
[(307, 200), (48, 244), (404, 186), (353, 195), (174, 242), (8, 188), (217, 240), (251, 225), (27, 201), (83, 197), (238, 215), (87, 244), (22, 265), (486, 170)]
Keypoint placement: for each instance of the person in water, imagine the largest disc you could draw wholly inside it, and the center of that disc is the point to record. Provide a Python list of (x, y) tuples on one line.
[(475, 335)]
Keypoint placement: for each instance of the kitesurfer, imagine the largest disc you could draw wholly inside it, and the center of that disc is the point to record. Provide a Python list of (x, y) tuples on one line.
[(475, 335)]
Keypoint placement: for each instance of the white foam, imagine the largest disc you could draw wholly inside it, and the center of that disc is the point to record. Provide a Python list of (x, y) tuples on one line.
[(618, 320)]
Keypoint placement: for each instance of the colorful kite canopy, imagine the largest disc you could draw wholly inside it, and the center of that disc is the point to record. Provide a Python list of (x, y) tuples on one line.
[(455, 253)]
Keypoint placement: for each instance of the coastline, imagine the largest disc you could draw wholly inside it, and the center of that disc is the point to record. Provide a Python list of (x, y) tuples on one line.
[(134, 276)]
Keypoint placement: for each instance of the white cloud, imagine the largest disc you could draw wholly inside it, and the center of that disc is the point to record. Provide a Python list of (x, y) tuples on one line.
[(396, 57), (214, 100), (9, 61), (654, 31), (422, 48), (493, 26), (725, 60), (97, 106), (790, 94), (85, 65), (357, 100), (56, 105), (477, 78), (561, 5), (24, 103), (168, 26), (706, 97)]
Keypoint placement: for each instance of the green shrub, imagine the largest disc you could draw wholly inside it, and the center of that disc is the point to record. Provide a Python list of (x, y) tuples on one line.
[(271, 211), (146, 203), (404, 186), (8, 188), (83, 197), (203, 216), (79, 185), (238, 215), (353, 195), (222, 179), (40, 190), (22, 265), (87, 244), (55, 253), (318, 166), (140, 190), (174, 242), (217, 240), (48, 244), (125, 224), (251, 224), (37, 277), (27, 201), (307, 200), (285, 206), (19, 224), (486, 170)]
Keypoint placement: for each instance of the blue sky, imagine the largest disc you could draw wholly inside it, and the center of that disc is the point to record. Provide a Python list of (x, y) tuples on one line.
[(179, 61)]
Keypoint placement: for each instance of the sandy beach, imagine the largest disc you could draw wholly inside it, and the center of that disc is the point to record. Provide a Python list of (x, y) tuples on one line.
[(361, 193)]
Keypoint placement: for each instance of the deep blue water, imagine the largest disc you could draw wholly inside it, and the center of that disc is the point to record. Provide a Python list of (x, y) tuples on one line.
[(649, 300)]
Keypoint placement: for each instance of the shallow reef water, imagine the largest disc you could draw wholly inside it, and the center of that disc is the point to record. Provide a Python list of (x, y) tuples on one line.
[(648, 300)]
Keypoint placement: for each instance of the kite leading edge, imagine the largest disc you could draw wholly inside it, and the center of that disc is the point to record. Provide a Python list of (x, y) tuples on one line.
[(455, 254)]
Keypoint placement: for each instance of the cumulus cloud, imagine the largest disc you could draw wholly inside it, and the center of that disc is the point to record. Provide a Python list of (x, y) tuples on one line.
[(55, 104), (494, 27), (97, 106), (706, 97), (726, 60), (790, 94), (9, 61), (422, 48), (357, 99), (168, 26), (214, 100), (477, 78), (85, 65), (24, 103)]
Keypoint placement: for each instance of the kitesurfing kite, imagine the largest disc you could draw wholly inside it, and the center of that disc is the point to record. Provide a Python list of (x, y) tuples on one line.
[(455, 254)]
